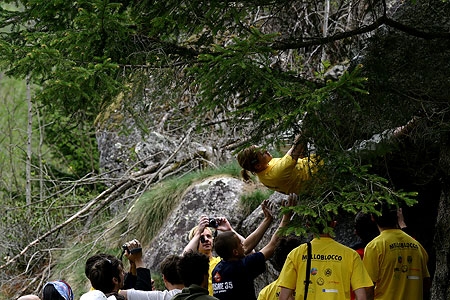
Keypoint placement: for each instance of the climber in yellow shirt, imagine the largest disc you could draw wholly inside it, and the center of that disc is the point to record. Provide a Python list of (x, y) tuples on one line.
[(287, 174)]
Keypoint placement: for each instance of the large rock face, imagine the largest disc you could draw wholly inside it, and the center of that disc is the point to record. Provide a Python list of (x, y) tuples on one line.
[(214, 197)]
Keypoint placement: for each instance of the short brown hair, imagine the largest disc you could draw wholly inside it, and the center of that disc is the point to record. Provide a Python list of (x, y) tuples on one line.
[(168, 268), (103, 268), (192, 267), (225, 243)]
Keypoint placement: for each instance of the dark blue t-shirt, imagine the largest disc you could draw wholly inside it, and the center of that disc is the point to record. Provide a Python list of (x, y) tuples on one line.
[(233, 280)]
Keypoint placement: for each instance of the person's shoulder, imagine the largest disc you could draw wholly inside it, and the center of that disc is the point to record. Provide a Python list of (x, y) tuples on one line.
[(149, 295), (253, 260), (215, 260), (181, 295), (254, 256), (170, 294), (287, 159), (206, 297), (265, 291), (93, 295), (29, 297), (299, 250), (377, 243)]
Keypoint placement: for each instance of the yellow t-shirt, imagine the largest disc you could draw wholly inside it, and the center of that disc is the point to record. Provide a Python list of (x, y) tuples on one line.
[(270, 291), (213, 261), (397, 263), (286, 175), (335, 271)]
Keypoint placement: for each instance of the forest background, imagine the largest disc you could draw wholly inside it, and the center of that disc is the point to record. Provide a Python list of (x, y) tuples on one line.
[(241, 73)]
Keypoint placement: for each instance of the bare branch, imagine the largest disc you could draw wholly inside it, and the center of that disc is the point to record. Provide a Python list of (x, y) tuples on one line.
[(384, 20)]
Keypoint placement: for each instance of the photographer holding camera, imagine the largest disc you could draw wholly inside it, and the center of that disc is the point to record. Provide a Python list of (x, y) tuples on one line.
[(201, 237), (138, 277)]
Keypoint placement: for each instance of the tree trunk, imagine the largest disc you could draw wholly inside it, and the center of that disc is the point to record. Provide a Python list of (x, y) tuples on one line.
[(29, 149), (440, 286)]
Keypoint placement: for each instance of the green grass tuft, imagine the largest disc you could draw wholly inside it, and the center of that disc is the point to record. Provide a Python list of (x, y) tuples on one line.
[(252, 200), (149, 212)]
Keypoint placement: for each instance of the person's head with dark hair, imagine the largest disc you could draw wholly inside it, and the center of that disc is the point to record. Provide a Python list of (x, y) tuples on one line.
[(193, 269), (285, 245), (229, 246), (365, 227), (57, 290), (388, 217), (169, 270), (91, 261), (105, 272), (50, 293)]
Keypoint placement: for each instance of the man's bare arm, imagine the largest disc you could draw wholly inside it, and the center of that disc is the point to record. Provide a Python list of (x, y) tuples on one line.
[(255, 237), (286, 294)]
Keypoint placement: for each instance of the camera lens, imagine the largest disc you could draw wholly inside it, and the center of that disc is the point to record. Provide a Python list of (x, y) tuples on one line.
[(213, 223)]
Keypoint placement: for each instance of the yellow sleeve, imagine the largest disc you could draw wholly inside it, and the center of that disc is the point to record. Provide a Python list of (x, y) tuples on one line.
[(288, 275)]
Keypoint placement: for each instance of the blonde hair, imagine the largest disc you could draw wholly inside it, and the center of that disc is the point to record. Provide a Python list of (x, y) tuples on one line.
[(194, 230)]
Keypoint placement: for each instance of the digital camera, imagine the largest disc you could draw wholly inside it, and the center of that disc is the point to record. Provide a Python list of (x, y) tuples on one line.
[(213, 223), (135, 250)]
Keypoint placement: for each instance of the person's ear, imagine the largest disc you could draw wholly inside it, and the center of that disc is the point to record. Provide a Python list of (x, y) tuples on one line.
[(116, 280), (235, 252)]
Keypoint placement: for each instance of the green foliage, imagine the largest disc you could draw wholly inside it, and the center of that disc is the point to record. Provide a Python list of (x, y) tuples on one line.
[(66, 48), (13, 116), (83, 52), (342, 186), (52, 201), (252, 200), (271, 100), (73, 145), (266, 96)]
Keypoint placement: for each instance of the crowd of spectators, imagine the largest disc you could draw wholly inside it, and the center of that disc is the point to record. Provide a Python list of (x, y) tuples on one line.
[(218, 263)]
